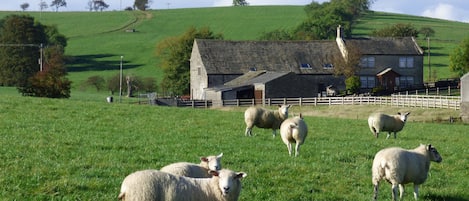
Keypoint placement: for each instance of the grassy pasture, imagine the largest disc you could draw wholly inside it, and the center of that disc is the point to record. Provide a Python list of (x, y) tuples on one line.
[(81, 150)]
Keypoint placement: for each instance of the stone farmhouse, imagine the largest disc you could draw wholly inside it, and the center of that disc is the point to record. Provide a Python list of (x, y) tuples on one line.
[(222, 69)]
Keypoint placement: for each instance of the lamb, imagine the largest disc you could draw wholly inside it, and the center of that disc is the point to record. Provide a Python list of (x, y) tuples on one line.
[(195, 170), (399, 166), (154, 185), (294, 130), (262, 118), (391, 123)]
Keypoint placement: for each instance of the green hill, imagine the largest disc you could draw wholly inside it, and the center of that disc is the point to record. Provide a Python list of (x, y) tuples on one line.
[(98, 39)]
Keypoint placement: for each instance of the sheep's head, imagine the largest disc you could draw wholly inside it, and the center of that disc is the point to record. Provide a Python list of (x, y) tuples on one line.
[(283, 110), (211, 162), (228, 181), (403, 117), (434, 155)]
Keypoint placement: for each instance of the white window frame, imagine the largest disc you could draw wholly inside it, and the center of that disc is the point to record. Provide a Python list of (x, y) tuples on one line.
[(406, 62), (367, 62), (367, 82)]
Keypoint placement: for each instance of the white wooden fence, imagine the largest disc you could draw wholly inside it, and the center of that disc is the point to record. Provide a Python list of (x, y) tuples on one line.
[(423, 101)]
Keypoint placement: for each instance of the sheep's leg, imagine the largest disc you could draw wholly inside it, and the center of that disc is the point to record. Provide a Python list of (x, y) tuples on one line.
[(394, 191), (389, 135), (297, 149), (289, 148), (375, 191), (248, 131), (395, 135), (401, 191), (416, 191), (274, 132)]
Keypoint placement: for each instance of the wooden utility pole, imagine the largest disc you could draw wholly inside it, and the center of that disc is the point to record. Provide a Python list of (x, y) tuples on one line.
[(429, 66)]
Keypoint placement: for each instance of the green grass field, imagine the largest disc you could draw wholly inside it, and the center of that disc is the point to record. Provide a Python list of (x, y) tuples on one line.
[(82, 150)]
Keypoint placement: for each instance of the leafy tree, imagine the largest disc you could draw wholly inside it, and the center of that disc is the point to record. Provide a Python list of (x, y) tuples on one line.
[(51, 82), (352, 84), (142, 4), (427, 31), (24, 6), (459, 58), (96, 81), (20, 37), (175, 53), (57, 4), (240, 3), (396, 30), (97, 5)]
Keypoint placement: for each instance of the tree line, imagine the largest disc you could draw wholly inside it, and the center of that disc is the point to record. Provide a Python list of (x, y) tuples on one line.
[(92, 5)]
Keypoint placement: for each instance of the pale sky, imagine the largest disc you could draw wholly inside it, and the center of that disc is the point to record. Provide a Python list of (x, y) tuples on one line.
[(456, 10)]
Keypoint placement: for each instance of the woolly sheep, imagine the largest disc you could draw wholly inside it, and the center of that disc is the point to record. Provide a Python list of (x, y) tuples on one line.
[(154, 185), (294, 130), (195, 170), (399, 166), (379, 122), (262, 118)]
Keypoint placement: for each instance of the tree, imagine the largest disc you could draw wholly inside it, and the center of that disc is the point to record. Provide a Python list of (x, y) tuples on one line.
[(97, 5), (24, 6), (396, 30), (96, 81), (350, 65), (427, 31), (175, 53), (240, 3), (52, 81), (57, 4), (142, 4), (279, 34), (43, 5), (459, 58), (20, 37)]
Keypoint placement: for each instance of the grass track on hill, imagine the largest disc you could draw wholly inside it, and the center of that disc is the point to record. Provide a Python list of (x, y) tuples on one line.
[(77, 150)]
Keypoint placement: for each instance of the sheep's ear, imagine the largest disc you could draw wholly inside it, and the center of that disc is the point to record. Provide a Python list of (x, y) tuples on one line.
[(240, 175), (399, 113), (219, 156), (204, 159), (279, 105), (301, 115), (213, 173)]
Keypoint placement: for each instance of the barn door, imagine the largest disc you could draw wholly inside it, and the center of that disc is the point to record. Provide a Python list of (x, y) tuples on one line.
[(258, 97)]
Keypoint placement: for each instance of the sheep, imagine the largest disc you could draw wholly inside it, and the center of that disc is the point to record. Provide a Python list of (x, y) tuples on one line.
[(262, 118), (294, 130), (154, 185), (399, 166), (195, 170), (391, 123)]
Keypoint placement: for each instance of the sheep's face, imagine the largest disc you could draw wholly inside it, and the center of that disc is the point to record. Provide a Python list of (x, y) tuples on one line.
[(228, 181), (403, 117), (283, 110), (434, 155), (213, 162)]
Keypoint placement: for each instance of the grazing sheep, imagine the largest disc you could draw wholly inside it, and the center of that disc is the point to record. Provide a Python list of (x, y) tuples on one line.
[(294, 130), (391, 123), (195, 170), (399, 166), (154, 185), (331, 90), (262, 118)]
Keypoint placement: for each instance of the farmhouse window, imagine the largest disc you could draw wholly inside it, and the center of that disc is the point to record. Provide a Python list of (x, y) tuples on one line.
[(367, 62), (306, 66), (406, 81), (328, 66), (367, 82), (406, 62)]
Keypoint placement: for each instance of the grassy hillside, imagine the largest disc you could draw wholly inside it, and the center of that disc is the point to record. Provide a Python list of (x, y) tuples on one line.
[(77, 150), (98, 39)]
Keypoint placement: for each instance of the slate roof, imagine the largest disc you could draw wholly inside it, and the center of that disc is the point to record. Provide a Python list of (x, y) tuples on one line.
[(238, 57), (251, 78), (386, 46)]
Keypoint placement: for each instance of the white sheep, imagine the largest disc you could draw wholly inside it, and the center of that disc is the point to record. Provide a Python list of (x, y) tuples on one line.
[(195, 170), (263, 118), (399, 166), (379, 122), (154, 185), (294, 130)]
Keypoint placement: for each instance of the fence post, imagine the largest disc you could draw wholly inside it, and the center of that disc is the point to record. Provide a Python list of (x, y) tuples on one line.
[(300, 101)]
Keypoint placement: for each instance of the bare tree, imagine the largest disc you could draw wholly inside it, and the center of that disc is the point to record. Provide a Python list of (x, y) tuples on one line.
[(24, 6), (240, 3), (57, 4), (97, 5), (43, 5)]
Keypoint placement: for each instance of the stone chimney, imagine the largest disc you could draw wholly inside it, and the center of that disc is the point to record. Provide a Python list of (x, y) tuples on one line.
[(341, 43)]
